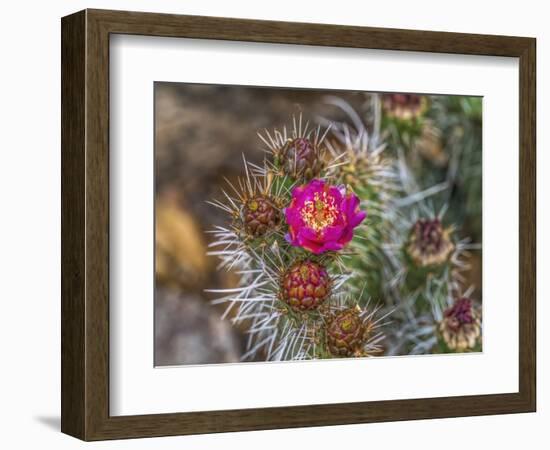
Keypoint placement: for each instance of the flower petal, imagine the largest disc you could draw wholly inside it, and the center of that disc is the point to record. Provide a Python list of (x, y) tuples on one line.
[(333, 233), (314, 235)]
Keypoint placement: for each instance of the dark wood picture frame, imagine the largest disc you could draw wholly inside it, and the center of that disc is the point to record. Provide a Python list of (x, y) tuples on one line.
[(85, 224)]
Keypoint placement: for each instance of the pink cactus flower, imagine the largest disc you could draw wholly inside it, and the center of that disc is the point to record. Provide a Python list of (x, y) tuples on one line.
[(322, 217)]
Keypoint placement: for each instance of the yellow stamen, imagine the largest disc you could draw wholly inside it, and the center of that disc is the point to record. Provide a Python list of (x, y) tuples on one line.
[(319, 213)]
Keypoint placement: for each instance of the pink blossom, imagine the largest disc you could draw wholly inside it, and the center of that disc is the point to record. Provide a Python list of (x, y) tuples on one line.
[(322, 217)]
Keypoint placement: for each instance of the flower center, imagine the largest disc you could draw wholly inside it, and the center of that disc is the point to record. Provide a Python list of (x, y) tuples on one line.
[(319, 213)]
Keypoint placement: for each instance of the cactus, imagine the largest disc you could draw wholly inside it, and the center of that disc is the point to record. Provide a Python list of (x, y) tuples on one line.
[(333, 234)]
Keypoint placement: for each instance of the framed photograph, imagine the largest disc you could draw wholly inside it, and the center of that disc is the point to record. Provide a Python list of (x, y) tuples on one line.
[(273, 225)]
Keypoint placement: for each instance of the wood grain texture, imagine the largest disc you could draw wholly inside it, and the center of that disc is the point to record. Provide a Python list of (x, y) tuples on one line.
[(527, 224), (85, 224), (73, 227)]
